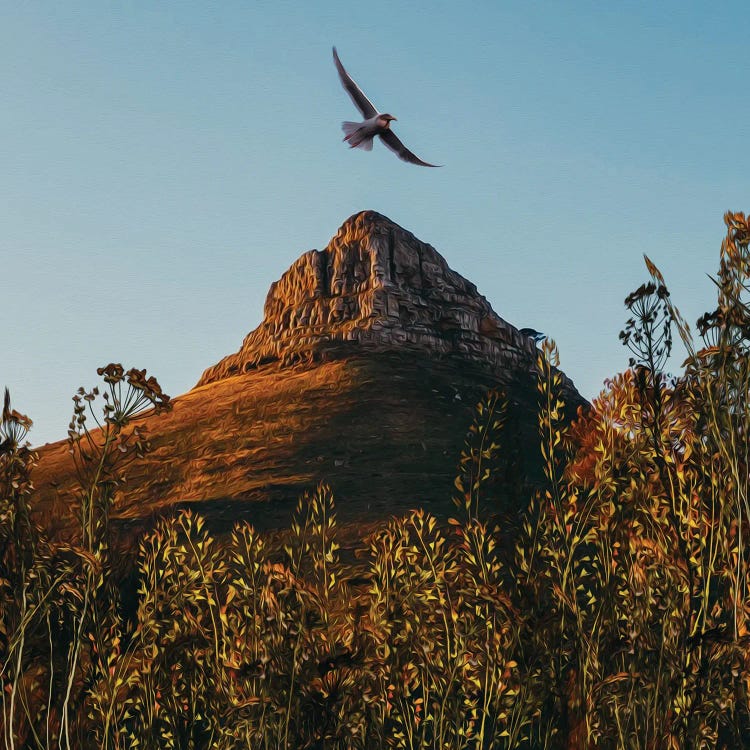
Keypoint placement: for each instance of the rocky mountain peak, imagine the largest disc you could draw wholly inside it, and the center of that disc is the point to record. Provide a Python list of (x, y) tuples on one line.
[(376, 287)]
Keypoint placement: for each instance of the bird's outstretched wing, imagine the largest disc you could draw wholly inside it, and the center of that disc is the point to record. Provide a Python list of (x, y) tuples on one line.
[(394, 144), (363, 104)]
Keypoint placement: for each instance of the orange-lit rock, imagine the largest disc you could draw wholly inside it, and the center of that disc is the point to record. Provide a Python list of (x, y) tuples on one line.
[(376, 286)]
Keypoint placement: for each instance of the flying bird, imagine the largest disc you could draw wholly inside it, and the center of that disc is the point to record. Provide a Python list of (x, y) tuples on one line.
[(361, 134)]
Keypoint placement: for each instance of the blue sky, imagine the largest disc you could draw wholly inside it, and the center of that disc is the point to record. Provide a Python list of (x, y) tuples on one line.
[(162, 164)]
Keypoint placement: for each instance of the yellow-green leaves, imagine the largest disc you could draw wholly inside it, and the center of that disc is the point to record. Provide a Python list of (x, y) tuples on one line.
[(480, 452)]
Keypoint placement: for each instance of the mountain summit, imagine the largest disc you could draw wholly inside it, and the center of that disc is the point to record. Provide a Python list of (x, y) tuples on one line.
[(377, 288), (364, 373)]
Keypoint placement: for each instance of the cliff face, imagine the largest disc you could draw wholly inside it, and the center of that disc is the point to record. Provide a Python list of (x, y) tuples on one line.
[(376, 287), (364, 373)]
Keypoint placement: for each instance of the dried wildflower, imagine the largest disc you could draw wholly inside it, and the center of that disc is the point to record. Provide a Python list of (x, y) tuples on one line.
[(113, 373), (13, 428), (648, 334)]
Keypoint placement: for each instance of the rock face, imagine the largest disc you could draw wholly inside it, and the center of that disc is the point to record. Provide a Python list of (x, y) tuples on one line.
[(364, 373), (377, 287)]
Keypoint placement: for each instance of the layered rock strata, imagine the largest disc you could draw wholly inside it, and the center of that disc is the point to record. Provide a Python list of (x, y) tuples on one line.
[(377, 287)]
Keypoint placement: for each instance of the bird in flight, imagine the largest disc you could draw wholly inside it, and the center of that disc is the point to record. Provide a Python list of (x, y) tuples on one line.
[(361, 134)]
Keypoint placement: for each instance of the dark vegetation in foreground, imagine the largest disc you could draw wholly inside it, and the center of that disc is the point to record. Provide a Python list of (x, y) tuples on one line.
[(617, 617)]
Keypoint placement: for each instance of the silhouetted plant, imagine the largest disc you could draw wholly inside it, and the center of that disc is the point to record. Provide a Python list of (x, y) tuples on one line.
[(19, 546), (38, 592), (102, 451), (648, 334), (101, 456)]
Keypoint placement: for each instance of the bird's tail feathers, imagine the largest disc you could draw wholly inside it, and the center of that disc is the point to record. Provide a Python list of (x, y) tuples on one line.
[(349, 129), (354, 138)]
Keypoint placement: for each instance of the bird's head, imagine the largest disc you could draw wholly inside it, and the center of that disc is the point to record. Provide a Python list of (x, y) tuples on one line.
[(533, 334), (385, 120)]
